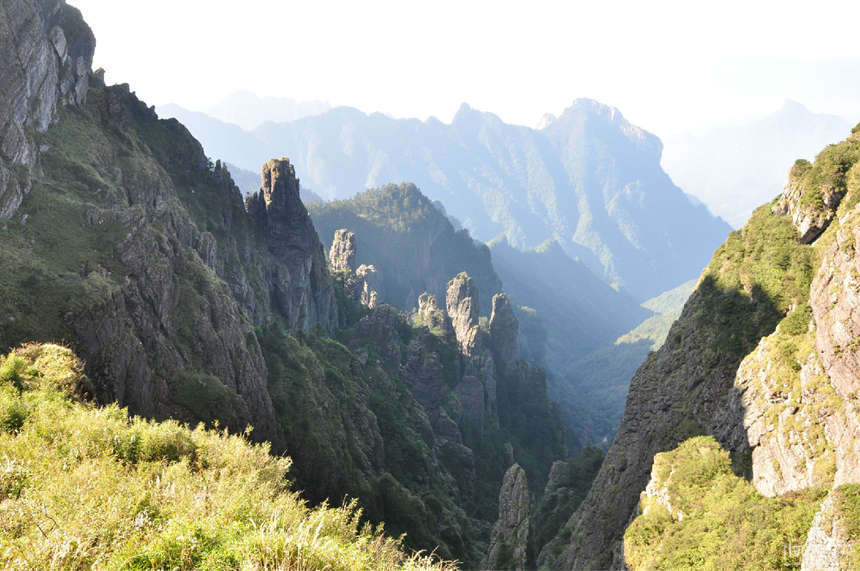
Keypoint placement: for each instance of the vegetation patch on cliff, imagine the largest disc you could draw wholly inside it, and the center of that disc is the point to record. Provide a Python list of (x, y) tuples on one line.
[(696, 514)]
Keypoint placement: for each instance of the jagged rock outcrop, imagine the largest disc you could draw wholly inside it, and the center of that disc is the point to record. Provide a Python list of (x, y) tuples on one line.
[(377, 331), (431, 315), (424, 373), (510, 542), (370, 287), (341, 256), (46, 51), (769, 368), (463, 309), (503, 330), (300, 285), (811, 204), (826, 541), (476, 391), (365, 282)]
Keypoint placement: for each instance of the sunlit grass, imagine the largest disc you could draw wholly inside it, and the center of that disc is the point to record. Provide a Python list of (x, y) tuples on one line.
[(83, 487)]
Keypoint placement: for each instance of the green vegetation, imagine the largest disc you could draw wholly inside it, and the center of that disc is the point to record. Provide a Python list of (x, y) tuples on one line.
[(83, 487), (847, 512), (726, 523), (411, 243), (563, 495), (671, 301), (755, 277)]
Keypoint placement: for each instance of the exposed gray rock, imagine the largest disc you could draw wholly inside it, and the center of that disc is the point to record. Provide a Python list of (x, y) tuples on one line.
[(301, 287), (503, 329), (470, 392), (424, 373), (138, 344), (462, 304), (377, 332), (510, 541), (46, 54), (369, 288), (825, 541), (810, 216), (343, 250), (430, 314), (660, 413)]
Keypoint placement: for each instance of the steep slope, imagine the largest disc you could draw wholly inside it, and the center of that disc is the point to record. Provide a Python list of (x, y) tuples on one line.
[(582, 316), (735, 169), (588, 179), (762, 358), (131, 493), (188, 302), (47, 54), (410, 241), (221, 139)]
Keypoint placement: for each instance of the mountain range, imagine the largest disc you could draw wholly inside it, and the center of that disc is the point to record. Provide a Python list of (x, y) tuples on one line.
[(588, 179)]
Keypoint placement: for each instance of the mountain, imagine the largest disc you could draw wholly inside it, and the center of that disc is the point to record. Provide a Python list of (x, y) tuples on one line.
[(72, 458), (740, 434), (410, 241), (220, 139), (580, 315), (249, 110), (733, 170), (187, 303), (588, 179)]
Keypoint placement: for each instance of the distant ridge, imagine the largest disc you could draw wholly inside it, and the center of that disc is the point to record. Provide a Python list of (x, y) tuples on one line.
[(588, 179)]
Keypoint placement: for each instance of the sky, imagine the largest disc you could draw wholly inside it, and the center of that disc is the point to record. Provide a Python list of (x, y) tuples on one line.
[(668, 67)]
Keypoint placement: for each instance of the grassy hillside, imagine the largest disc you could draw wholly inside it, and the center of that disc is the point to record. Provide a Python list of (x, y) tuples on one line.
[(83, 487)]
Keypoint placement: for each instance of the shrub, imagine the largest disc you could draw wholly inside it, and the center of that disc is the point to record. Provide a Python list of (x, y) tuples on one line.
[(83, 487)]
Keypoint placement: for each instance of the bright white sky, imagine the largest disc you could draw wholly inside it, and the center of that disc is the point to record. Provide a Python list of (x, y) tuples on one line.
[(668, 66)]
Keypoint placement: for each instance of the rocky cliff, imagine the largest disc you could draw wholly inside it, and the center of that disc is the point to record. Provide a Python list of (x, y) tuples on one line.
[(47, 54), (410, 243), (763, 359), (133, 246), (510, 542)]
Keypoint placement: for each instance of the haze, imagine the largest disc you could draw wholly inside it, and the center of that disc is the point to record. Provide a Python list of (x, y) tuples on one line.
[(668, 66)]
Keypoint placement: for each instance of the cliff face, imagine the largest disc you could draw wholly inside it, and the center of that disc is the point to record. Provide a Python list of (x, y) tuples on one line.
[(764, 358), (47, 54), (300, 286), (409, 242), (122, 238), (510, 542)]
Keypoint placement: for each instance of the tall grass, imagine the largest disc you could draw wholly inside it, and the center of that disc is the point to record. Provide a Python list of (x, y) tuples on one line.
[(83, 487)]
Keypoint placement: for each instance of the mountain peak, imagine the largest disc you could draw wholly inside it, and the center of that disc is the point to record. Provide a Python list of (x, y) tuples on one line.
[(643, 140), (545, 121)]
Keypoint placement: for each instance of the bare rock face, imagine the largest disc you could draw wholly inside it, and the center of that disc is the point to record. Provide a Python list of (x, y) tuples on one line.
[(503, 329), (510, 542), (301, 287), (343, 250), (424, 373), (656, 419), (811, 206), (377, 330), (46, 56), (825, 541), (431, 315), (462, 302), (835, 303), (370, 287), (162, 323), (782, 427)]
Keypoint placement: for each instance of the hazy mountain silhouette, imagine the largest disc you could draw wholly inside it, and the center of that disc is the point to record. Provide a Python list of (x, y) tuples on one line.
[(588, 179), (734, 170)]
